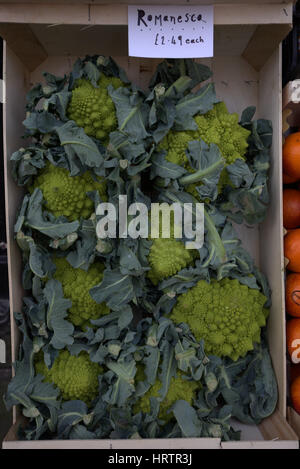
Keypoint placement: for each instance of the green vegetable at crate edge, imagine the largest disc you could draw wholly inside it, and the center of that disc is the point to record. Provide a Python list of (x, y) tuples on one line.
[(75, 376), (179, 388), (167, 256), (217, 126), (92, 108), (225, 313), (77, 284), (66, 195)]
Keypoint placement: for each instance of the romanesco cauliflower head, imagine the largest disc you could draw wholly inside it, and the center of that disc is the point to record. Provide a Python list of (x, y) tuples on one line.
[(92, 108), (75, 376), (67, 195), (167, 256), (217, 126), (76, 284), (226, 314), (179, 388)]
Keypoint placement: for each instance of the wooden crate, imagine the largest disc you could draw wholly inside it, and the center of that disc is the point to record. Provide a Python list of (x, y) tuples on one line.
[(246, 70)]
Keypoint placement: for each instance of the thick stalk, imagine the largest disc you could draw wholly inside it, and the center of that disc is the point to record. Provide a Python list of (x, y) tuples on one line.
[(182, 67), (201, 173), (180, 85), (212, 232)]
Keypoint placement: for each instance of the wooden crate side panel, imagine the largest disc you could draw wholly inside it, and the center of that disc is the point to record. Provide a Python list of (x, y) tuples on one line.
[(260, 445), (24, 43), (138, 70), (276, 428), (10, 442), (13, 15), (113, 14), (261, 45), (294, 420), (16, 83), (146, 2), (271, 235)]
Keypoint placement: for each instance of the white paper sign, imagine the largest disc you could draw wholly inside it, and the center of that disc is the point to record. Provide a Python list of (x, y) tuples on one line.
[(170, 31)]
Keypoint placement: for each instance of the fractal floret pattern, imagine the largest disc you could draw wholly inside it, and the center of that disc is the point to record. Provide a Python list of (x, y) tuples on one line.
[(226, 314), (76, 284)]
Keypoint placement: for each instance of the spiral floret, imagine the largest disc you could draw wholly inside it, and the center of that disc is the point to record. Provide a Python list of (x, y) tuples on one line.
[(66, 195), (76, 284), (75, 376), (226, 314), (179, 389), (217, 126), (92, 108), (167, 256)]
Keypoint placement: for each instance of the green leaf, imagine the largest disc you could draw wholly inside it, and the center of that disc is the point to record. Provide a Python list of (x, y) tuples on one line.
[(45, 393), (91, 72), (170, 70), (208, 164), (187, 419), (168, 369), (151, 361), (184, 357), (33, 96), (116, 289), (84, 253), (24, 368), (165, 169), (217, 251), (57, 311), (121, 146), (58, 228), (240, 173), (59, 103), (247, 115), (40, 261), (42, 122), (123, 387), (125, 317), (79, 432), (132, 112), (129, 263), (26, 163), (71, 414), (81, 150), (195, 103)]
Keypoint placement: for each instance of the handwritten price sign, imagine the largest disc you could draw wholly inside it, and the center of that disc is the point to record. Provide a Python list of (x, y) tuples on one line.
[(170, 31)]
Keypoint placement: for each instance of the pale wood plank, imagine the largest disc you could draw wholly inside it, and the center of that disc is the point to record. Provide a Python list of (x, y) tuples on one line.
[(10, 442), (114, 14), (24, 43), (16, 78), (271, 234), (263, 42), (276, 427), (294, 420), (146, 2), (293, 444)]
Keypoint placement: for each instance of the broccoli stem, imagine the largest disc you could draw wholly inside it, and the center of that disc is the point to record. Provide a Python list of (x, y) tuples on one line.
[(180, 85), (201, 173), (182, 67), (213, 236)]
